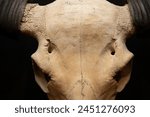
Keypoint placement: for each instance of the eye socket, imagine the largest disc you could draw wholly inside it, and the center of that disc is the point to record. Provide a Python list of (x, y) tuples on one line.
[(118, 2)]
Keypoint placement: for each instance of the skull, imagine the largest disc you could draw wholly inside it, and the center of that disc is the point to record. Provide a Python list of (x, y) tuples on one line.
[(82, 51)]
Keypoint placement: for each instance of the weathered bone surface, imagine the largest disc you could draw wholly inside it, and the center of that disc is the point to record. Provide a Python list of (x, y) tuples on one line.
[(82, 52)]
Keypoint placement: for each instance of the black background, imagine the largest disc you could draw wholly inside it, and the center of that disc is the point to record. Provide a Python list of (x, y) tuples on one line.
[(139, 86), (16, 74)]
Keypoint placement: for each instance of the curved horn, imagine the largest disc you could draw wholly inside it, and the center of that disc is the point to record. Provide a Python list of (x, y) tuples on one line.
[(11, 12)]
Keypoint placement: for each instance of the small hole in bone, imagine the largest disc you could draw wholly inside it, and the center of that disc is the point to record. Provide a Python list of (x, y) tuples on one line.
[(113, 51), (113, 46), (51, 46)]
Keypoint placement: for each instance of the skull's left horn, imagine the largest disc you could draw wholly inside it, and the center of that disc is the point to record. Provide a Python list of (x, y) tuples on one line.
[(11, 12)]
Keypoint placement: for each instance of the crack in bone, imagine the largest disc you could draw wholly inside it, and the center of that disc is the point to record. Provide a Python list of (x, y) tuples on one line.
[(82, 77)]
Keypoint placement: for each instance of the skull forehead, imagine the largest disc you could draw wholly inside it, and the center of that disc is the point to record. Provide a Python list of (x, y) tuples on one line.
[(83, 33), (82, 12), (94, 22)]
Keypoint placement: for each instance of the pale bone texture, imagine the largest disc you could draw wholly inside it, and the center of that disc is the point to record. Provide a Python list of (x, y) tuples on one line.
[(82, 51)]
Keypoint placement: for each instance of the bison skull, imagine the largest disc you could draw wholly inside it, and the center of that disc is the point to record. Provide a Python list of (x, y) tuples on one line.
[(82, 51)]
